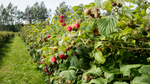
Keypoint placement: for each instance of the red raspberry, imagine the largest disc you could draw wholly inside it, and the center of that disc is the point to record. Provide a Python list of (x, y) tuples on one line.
[(53, 59), (44, 71), (46, 68), (31, 54), (69, 28), (77, 25), (95, 31), (45, 39), (67, 49), (41, 62), (35, 61), (65, 57), (48, 36), (63, 24), (62, 56), (61, 20), (53, 66), (61, 16), (50, 72)]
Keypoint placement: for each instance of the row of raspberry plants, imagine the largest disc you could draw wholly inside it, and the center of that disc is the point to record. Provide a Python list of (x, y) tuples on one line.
[(94, 46), (5, 36)]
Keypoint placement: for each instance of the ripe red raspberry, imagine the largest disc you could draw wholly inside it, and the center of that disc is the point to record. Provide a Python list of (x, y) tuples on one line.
[(65, 57), (45, 71), (95, 31), (46, 68), (62, 56), (48, 36), (69, 28), (67, 49), (45, 39), (61, 16), (53, 66), (31, 54), (63, 24), (61, 20), (35, 61), (41, 62), (77, 25), (53, 59), (50, 72)]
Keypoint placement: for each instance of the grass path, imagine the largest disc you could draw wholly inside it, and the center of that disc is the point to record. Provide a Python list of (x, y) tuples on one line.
[(16, 66)]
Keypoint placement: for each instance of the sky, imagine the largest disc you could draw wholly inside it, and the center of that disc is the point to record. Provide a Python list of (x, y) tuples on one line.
[(22, 4)]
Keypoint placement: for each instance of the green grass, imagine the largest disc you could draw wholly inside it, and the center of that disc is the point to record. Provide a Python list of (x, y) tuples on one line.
[(16, 66)]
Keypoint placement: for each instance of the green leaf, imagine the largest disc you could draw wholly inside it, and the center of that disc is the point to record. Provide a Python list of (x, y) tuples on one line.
[(95, 71), (140, 80), (79, 51), (63, 47), (98, 3), (69, 74), (74, 61), (87, 6), (92, 4), (145, 69), (99, 57), (75, 8), (125, 69), (47, 60), (121, 83), (131, 6), (113, 71), (109, 76), (125, 31), (79, 12), (84, 63), (66, 38), (97, 44), (98, 81), (62, 67), (107, 5), (107, 25), (44, 48), (90, 27)]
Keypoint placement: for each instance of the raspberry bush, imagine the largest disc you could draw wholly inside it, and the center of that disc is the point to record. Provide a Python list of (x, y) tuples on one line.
[(4, 37), (93, 46)]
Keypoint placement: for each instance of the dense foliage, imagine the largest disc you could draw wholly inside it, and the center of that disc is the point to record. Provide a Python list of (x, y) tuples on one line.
[(4, 37), (94, 46)]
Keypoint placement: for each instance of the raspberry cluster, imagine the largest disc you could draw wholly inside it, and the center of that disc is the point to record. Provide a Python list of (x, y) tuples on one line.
[(73, 27), (62, 21)]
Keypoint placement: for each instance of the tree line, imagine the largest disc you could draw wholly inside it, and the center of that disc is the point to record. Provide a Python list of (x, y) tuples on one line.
[(12, 19)]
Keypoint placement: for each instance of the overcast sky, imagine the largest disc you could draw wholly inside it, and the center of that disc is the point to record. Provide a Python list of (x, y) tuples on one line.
[(22, 4)]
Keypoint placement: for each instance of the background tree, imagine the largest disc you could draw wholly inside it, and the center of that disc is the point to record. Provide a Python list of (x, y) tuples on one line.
[(37, 13), (62, 9), (12, 19)]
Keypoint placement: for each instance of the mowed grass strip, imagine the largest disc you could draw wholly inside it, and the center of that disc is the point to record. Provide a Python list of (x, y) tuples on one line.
[(16, 66)]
